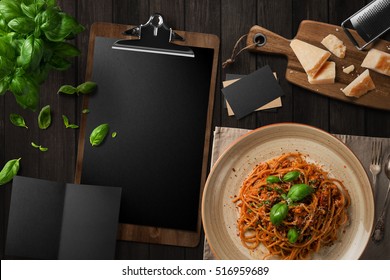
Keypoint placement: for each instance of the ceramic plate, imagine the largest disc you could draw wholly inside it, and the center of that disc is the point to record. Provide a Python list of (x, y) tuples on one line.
[(220, 214)]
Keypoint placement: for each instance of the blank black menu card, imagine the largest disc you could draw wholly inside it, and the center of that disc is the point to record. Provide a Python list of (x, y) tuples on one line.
[(51, 220)]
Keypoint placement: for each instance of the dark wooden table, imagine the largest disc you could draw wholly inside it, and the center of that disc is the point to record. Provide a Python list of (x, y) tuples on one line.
[(229, 19)]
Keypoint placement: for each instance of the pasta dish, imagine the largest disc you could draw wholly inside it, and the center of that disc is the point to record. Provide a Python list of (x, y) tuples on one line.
[(291, 206)]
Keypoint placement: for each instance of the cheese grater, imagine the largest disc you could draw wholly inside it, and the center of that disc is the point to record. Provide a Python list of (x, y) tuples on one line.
[(370, 22)]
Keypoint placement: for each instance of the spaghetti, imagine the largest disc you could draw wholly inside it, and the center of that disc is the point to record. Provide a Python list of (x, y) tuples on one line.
[(312, 217)]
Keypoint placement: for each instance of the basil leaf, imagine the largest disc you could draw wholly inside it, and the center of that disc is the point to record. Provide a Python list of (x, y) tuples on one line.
[(273, 179), (17, 120), (65, 120), (34, 145), (6, 49), (73, 126), (4, 84), (59, 63), (50, 20), (67, 28), (291, 176), (23, 25), (6, 67), (44, 117), (31, 53), (70, 26), (29, 100), (10, 10), (41, 73), (67, 89), (26, 92), (299, 191), (29, 10), (51, 3), (17, 85), (292, 235), (99, 134), (278, 213), (43, 149), (64, 49), (9, 171), (86, 87)]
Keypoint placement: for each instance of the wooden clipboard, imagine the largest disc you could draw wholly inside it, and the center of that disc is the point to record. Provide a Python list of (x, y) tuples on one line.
[(150, 233)]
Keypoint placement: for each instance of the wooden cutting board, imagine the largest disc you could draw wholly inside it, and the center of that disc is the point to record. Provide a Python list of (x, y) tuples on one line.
[(313, 32)]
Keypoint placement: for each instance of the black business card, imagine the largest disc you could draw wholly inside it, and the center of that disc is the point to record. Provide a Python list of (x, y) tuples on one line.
[(252, 91)]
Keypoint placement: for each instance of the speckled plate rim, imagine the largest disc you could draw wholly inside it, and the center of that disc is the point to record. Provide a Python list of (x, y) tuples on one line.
[(209, 223)]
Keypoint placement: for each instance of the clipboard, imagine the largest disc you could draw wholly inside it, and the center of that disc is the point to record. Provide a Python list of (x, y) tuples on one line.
[(204, 45)]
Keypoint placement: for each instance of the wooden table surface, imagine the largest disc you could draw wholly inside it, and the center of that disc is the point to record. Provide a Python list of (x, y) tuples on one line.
[(228, 19)]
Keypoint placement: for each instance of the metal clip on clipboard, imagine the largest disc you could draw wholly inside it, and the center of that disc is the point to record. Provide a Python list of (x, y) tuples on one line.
[(154, 37), (370, 22)]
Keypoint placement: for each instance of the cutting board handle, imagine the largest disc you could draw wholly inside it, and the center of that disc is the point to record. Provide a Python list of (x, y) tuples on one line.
[(267, 42)]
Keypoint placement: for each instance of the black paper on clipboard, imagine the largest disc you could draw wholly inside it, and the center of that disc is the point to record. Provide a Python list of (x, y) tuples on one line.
[(157, 104)]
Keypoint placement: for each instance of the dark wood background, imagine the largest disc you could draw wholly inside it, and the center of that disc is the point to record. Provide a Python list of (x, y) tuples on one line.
[(229, 19)]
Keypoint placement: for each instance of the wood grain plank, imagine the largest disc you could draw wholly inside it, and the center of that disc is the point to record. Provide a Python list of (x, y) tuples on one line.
[(309, 108), (278, 64), (231, 31), (131, 251), (173, 12), (204, 16), (132, 12), (339, 123), (4, 190), (89, 12), (61, 142)]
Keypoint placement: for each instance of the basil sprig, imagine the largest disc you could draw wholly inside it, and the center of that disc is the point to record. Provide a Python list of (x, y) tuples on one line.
[(67, 124), (296, 193), (39, 147), (33, 37), (9, 171)]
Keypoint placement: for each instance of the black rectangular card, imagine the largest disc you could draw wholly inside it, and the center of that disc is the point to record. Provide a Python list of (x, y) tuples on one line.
[(252, 92)]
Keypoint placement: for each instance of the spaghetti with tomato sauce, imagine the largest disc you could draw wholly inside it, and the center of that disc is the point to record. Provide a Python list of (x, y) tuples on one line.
[(292, 207)]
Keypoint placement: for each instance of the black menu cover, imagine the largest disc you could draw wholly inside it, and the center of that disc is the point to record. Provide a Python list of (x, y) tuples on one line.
[(51, 220)]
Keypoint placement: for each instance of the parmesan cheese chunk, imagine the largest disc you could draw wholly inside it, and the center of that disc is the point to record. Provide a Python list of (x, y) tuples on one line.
[(325, 75), (378, 61), (349, 69), (361, 85), (335, 45), (311, 57)]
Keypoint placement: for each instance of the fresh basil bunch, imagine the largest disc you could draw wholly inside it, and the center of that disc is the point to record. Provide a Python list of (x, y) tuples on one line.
[(33, 36)]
